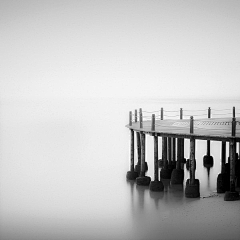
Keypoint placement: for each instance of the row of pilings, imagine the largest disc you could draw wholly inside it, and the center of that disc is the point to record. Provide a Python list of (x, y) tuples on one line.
[(172, 168)]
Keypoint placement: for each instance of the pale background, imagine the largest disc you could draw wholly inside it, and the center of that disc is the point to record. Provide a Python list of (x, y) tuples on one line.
[(120, 48), (67, 72)]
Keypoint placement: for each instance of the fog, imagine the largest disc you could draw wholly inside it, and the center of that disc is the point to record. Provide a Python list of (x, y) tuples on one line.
[(119, 48)]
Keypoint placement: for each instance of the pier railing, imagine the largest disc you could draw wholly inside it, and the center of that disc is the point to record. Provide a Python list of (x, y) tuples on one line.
[(186, 113), (181, 114)]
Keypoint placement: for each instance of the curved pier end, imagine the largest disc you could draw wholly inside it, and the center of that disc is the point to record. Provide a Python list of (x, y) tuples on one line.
[(210, 129)]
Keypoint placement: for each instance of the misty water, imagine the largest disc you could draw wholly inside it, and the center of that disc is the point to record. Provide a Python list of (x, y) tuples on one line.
[(63, 165)]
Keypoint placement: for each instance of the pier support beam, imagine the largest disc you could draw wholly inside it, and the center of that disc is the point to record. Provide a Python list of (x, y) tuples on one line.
[(132, 175), (232, 194), (169, 156), (183, 159), (223, 182), (138, 165), (177, 176), (165, 171), (174, 152), (142, 179), (156, 185), (192, 184)]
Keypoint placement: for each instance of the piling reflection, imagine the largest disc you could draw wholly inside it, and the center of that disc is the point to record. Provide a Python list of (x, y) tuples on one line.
[(166, 183), (156, 197), (141, 195)]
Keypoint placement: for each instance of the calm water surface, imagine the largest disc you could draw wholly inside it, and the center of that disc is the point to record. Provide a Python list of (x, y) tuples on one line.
[(63, 167)]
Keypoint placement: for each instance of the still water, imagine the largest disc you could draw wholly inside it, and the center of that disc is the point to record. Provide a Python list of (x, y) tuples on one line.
[(63, 167)]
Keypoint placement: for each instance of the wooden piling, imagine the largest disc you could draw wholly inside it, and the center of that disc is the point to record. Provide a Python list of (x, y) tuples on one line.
[(174, 151), (232, 165), (233, 126), (183, 160), (191, 124), (135, 115), (164, 152), (239, 150), (143, 145), (208, 141), (130, 118), (177, 175), (156, 185), (181, 113), (178, 166), (153, 122), (132, 175), (142, 179), (140, 118), (223, 181), (132, 150), (138, 165), (156, 175), (192, 184), (161, 113), (165, 171), (138, 151), (209, 112), (223, 157), (232, 194), (192, 160), (169, 147)]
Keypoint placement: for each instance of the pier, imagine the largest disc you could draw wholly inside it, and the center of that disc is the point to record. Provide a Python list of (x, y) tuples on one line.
[(173, 132)]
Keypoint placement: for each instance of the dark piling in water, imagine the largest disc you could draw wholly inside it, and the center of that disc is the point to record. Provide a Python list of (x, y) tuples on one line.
[(156, 185), (192, 184), (232, 195), (131, 175), (142, 179)]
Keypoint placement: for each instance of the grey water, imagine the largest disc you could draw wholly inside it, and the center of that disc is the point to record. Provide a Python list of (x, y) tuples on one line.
[(63, 165)]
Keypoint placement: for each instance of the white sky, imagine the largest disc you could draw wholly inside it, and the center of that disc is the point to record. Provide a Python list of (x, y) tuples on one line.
[(124, 48)]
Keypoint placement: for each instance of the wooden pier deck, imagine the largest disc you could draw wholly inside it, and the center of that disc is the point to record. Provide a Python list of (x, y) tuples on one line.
[(218, 129), (225, 129)]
